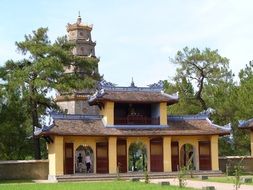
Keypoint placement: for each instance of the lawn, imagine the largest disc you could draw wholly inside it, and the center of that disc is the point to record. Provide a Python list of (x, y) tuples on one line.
[(226, 179), (121, 185)]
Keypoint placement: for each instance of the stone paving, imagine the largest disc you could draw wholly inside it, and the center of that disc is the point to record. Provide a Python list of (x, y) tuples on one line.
[(201, 184)]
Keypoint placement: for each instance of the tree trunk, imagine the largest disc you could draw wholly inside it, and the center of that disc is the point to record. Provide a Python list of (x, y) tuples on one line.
[(35, 122), (37, 154), (199, 93)]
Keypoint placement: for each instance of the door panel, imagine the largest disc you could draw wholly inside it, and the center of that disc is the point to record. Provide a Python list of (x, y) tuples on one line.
[(122, 155), (204, 155), (174, 156), (69, 158), (102, 157), (156, 155)]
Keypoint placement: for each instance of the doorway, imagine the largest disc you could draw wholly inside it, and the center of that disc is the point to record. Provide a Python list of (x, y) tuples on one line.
[(137, 157), (187, 157), (122, 155), (84, 159), (204, 155), (156, 155), (69, 159), (102, 157)]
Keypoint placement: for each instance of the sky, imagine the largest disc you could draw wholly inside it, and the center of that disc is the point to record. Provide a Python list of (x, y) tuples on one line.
[(136, 38)]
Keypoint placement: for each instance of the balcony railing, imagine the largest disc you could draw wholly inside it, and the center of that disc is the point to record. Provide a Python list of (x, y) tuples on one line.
[(136, 120)]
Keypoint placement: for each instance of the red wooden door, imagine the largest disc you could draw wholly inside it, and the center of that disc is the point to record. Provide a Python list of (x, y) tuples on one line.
[(204, 155), (122, 155), (175, 156), (156, 155), (102, 157), (69, 158)]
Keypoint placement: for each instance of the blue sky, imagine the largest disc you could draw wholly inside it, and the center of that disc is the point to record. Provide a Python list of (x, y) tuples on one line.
[(135, 38)]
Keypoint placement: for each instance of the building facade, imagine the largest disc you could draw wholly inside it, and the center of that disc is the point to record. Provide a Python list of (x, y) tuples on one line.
[(125, 128)]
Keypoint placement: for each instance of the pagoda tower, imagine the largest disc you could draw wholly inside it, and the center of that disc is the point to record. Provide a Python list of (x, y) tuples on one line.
[(77, 103), (80, 34)]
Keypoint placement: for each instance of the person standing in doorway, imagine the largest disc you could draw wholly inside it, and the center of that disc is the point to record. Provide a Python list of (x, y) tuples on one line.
[(88, 162), (80, 162)]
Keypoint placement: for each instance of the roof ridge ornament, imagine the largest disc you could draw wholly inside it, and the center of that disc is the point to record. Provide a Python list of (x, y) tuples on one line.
[(105, 84), (159, 85), (209, 111), (245, 123), (79, 19), (132, 83), (187, 117)]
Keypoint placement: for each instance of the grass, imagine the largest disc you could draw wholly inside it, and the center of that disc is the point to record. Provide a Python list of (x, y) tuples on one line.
[(116, 185), (226, 179), (15, 181)]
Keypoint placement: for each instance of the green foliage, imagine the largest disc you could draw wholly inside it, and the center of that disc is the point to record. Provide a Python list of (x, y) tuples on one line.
[(182, 176), (238, 168), (14, 141), (42, 72), (204, 80), (225, 179), (146, 176), (118, 173), (186, 93), (137, 156), (201, 69)]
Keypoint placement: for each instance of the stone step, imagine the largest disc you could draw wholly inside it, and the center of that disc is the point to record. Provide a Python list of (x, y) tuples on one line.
[(130, 175)]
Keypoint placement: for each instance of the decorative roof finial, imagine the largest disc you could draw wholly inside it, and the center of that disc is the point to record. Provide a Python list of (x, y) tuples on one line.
[(79, 19), (132, 83)]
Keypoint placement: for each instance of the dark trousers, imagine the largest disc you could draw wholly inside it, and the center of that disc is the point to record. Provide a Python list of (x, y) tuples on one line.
[(88, 166)]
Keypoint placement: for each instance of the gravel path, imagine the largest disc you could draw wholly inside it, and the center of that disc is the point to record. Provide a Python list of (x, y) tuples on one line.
[(200, 184)]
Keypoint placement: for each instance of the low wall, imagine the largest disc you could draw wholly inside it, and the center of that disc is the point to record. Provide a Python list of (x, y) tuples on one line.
[(24, 169), (247, 162), (38, 169)]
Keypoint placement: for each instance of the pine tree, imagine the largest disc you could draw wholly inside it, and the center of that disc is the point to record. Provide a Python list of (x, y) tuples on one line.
[(42, 72)]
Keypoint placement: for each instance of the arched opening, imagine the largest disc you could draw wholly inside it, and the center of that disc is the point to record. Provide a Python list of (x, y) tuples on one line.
[(187, 157), (137, 157), (84, 159)]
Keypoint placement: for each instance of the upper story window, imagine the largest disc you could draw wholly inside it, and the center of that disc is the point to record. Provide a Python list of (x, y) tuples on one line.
[(136, 114)]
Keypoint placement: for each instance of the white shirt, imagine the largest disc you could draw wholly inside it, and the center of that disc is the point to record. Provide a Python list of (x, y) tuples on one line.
[(87, 159)]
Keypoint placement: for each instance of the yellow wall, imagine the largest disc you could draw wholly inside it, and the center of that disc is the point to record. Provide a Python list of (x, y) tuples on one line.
[(112, 154), (51, 159), (163, 113), (55, 156), (167, 154), (214, 152), (108, 113), (194, 141), (56, 150), (251, 135)]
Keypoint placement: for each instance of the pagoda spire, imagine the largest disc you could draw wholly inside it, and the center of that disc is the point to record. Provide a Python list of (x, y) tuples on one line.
[(79, 19)]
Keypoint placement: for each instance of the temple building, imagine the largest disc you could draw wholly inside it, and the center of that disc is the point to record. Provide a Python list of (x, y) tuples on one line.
[(125, 128)]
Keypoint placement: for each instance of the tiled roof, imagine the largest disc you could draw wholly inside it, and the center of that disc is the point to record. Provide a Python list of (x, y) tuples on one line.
[(247, 124), (95, 127), (132, 95)]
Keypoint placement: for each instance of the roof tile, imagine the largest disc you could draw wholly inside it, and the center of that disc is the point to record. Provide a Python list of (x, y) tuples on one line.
[(97, 128)]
